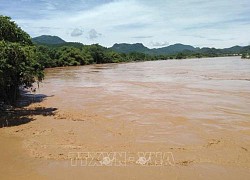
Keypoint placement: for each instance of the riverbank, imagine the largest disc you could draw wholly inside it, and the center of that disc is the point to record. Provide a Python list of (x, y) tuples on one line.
[(48, 141)]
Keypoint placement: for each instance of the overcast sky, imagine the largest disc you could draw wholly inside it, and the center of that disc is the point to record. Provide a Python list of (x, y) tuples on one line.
[(155, 23)]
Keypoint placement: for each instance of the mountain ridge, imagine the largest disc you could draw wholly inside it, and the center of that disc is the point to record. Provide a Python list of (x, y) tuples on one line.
[(140, 48), (48, 39)]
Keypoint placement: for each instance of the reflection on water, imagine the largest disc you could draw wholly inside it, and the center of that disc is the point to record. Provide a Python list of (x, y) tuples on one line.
[(159, 92)]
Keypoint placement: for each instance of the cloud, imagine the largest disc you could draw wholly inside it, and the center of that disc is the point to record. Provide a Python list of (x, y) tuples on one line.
[(76, 32), (159, 44), (131, 26), (189, 22), (50, 5), (93, 34), (141, 37)]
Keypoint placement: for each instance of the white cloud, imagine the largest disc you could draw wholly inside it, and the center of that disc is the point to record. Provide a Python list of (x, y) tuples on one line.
[(93, 34), (159, 44), (222, 23), (76, 32)]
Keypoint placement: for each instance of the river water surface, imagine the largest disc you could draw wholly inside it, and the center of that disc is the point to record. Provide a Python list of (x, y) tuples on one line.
[(157, 93), (199, 109)]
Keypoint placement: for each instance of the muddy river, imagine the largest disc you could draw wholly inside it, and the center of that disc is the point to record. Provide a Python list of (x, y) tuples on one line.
[(197, 110)]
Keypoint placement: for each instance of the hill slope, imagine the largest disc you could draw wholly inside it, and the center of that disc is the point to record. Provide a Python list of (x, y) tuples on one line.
[(55, 41), (172, 49), (138, 47), (47, 39), (128, 48), (177, 48)]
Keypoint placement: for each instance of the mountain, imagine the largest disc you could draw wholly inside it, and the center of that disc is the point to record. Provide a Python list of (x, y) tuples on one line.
[(173, 49), (55, 42), (177, 48), (47, 39), (138, 47), (232, 50), (128, 48), (246, 49)]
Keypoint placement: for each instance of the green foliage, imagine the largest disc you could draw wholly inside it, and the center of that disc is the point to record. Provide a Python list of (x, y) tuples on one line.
[(129, 48), (112, 57), (46, 39), (18, 67), (46, 56), (72, 56), (19, 61), (64, 56), (174, 50), (58, 55), (180, 56), (69, 56), (245, 56), (245, 50), (10, 32)]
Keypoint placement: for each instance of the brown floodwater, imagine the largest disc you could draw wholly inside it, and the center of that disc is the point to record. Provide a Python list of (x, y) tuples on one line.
[(199, 109), (156, 93)]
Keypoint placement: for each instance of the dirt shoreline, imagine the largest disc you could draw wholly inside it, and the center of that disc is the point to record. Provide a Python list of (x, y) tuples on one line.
[(52, 138)]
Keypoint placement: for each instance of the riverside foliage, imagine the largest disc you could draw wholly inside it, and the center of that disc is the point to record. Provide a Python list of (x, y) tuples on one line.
[(19, 65)]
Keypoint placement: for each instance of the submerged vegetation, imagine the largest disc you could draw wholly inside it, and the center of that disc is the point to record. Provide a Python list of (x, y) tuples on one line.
[(245, 56)]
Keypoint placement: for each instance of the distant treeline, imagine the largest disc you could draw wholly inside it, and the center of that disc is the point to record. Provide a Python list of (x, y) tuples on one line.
[(54, 52), (174, 49), (74, 54)]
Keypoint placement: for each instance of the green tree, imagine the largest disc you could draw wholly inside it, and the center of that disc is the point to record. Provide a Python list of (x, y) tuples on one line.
[(244, 56), (9, 31), (19, 65), (180, 56), (69, 56), (111, 57), (97, 52)]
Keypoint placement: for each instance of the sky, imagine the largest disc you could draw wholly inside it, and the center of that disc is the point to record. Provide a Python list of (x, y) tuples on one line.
[(155, 23)]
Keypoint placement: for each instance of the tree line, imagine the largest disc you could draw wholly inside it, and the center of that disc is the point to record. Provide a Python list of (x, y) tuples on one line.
[(70, 55)]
